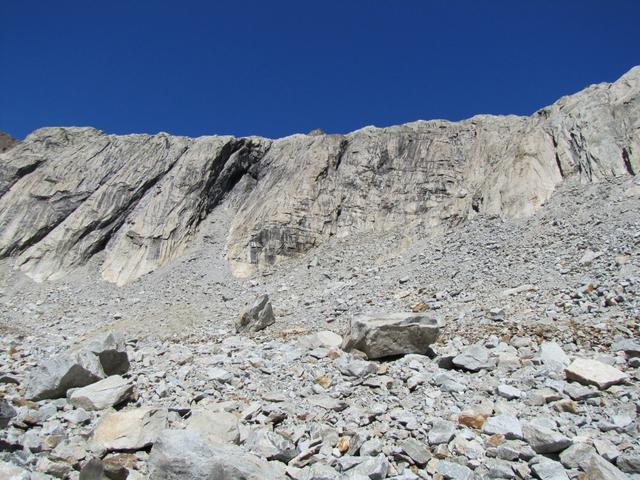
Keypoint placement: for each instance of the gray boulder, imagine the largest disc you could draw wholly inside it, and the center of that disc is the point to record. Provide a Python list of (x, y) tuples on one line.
[(7, 412), (111, 350), (257, 316), (543, 439), (183, 454), (270, 445), (386, 335), (473, 359), (600, 469), (129, 429), (54, 377), (106, 393), (215, 427)]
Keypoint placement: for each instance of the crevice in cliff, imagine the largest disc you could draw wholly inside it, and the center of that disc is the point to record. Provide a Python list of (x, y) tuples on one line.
[(626, 151), (557, 156)]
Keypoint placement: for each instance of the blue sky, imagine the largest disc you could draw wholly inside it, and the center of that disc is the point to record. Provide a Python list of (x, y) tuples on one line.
[(273, 68)]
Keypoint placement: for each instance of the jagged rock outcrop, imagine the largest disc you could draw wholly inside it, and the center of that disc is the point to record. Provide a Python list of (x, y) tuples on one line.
[(68, 193)]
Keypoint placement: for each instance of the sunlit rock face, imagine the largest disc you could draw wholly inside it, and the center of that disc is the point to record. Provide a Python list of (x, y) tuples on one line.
[(68, 193)]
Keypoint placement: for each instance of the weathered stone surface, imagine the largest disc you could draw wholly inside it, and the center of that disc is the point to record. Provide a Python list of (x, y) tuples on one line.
[(544, 440), (68, 192), (600, 469), (54, 377), (7, 412), (214, 427), (112, 352), (473, 359), (186, 455), (106, 393), (257, 316), (592, 372), (381, 336), (505, 425), (129, 429)]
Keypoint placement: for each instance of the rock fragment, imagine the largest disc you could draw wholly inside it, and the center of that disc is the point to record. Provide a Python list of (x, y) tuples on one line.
[(593, 372), (256, 317)]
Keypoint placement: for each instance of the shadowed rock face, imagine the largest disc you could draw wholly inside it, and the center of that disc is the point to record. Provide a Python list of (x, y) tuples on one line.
[(68, 193), (6, 142)]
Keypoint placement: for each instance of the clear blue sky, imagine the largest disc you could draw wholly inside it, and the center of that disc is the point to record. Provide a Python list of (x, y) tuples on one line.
[(273, 68)]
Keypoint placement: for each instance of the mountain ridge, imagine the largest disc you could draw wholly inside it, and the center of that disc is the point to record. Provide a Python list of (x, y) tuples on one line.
[(67, 193)]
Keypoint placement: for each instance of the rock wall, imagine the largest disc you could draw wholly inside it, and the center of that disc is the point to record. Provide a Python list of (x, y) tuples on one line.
[(68, 193)]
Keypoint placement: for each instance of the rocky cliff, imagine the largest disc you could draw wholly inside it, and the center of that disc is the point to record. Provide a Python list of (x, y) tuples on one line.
[(69, 193)]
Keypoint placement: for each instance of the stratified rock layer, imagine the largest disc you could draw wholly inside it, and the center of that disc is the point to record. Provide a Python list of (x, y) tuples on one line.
[(68, 193)]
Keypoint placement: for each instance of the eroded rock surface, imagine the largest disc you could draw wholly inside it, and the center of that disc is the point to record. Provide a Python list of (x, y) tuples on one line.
[(69, 193)]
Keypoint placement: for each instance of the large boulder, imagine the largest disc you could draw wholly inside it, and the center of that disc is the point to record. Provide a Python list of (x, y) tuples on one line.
[(392, 334), (257, 316), (215, 427), (100, 357), (106, 393), (111, 350), (593, 372), (185, 454), (54, 377), (129, 429)]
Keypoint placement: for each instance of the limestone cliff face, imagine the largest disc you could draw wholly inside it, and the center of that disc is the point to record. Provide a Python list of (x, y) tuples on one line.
[(68, 193)]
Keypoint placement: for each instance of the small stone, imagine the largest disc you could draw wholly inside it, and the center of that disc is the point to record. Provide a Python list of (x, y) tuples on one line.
[(544, 440), (416, 450), (473, 359), (593, 372), (256, 317), (509, 392), (454, 471), (549, 470), (441, 432), (503, 424), (472, 420)]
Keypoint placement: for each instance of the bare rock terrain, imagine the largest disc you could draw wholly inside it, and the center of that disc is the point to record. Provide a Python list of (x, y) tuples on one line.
[(192, 299)]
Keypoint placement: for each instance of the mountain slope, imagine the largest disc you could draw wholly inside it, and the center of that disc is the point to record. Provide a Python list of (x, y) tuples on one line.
[(68, 193)]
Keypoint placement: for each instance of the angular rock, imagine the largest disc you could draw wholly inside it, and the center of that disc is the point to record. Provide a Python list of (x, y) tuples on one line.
[(473, 359), (505, 425), (600, 469), (112, 352), (270, 445), (549, 470), (387, 335), (257, 316), (129, 429), (215, 427), (544, 440), (182, 454), (454, 471), (7, 412), (418, 452), (553, 356), (577, 455), (54, 377), (441, 432), (106, 393), (592, 372)]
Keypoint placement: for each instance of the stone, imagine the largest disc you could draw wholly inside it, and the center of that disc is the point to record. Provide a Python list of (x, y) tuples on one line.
[(270, 445), (7, 412), (129, 429), (549, 470), (111, 391), (215, 427), (8, 471), (186, 455), (509, 392), (600, 469), (454, 471), (54, 377), (111, 350), (473, 359), (374, 468), (380, 336), (503, 424), (256, 317), (323, 338), (553, 356), (577, 455), (544, 440), (593, 372), (441, 432), (629, 462), (353, 367), (416, 450), (328, 403)]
